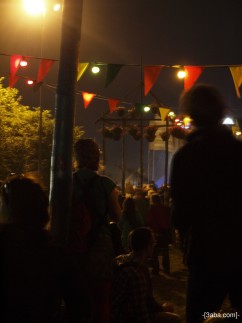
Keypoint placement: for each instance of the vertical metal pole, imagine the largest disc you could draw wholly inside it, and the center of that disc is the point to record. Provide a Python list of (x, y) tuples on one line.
[(166, 152), (103, 147), (148, 168), (141, 127), (153, 165), (141, 150), (123, 158), (61, 163), (40, 130)]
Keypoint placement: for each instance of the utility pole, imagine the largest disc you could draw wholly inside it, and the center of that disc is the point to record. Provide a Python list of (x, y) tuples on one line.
[(61, 161)]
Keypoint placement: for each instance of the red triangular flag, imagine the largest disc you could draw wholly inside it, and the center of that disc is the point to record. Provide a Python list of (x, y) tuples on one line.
[(151, 74), (192, 74), (87, 98), (14, 65), (44, 67), (112, 104)]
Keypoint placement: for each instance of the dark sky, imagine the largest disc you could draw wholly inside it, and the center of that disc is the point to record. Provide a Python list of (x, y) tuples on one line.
[(171, 32)]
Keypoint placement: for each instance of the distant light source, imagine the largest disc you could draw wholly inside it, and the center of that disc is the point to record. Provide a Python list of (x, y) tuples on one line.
[(181, 74), (34, 7), (171, 115), (56, 7), (228, 121), (23, 62), (146, 109), (30, 82), (187, 122), (95, 69)]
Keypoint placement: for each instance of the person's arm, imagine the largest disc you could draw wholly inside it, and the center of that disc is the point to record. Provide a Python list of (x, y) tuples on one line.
[(114, 206), (180, 194)]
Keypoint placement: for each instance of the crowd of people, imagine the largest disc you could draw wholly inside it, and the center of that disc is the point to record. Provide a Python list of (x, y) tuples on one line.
[(103, 275), (43, 282)]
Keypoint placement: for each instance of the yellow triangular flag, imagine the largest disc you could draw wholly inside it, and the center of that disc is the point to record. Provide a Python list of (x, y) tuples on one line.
[(237, 77), (163, 113), (81, 69)]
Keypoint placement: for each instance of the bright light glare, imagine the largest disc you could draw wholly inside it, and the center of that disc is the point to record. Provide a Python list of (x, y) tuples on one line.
[(56, 7), (95, 69), (34, 7), (23, 63), (228, 121), (30, 82), (181, 74), (146, 109)]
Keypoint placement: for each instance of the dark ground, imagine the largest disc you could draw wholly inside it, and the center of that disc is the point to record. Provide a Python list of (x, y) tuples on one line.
[(172, 288)]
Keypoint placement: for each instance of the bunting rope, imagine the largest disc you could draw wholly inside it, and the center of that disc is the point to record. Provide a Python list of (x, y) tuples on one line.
[(150, 75)]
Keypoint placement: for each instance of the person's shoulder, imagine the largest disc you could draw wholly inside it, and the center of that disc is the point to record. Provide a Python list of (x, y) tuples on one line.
[(107, 181)]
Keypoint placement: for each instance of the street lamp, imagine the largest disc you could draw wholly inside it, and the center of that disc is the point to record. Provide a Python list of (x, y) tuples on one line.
[(39, 7), (34, 7)]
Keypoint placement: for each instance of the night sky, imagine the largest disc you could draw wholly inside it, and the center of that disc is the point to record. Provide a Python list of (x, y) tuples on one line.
[(171, 32)]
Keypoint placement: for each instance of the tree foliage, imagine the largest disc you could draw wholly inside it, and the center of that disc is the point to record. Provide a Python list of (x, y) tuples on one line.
[(19, 135)]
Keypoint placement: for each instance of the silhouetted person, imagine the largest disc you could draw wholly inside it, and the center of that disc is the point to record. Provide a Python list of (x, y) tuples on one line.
[(132, 294), (129, 220), (32, 268), (91, 282), (141, 204), (206, 188), (158, 220)]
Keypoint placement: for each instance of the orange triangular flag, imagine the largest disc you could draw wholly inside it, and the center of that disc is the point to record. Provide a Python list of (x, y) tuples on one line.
[(87, 98), (81, 69), (14, 65), (44, 67), (112, 104), (151, 74), (237, 78), (192, 74)]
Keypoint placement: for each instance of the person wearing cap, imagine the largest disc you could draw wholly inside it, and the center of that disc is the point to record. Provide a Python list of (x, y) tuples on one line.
[(206, 191)]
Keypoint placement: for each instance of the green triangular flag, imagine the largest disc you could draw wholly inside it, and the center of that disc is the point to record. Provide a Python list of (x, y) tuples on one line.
[(112, 71)]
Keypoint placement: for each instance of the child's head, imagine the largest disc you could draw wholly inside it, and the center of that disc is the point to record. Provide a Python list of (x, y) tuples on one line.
[(140, 239)]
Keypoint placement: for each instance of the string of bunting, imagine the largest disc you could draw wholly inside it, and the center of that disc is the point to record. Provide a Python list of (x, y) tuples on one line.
[(151, 74)]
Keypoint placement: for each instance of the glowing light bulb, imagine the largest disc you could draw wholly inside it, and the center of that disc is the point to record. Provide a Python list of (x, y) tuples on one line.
[(95, 70), (34, 7), (181, 74), (146, 109), (23, 62), (30, 82), (56, 7)]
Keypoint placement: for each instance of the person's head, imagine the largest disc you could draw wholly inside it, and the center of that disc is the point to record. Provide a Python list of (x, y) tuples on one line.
[(155, 199), (204, 104), (141, 240), (87, 154), (139, 194), (24, 202), (128, 204)]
